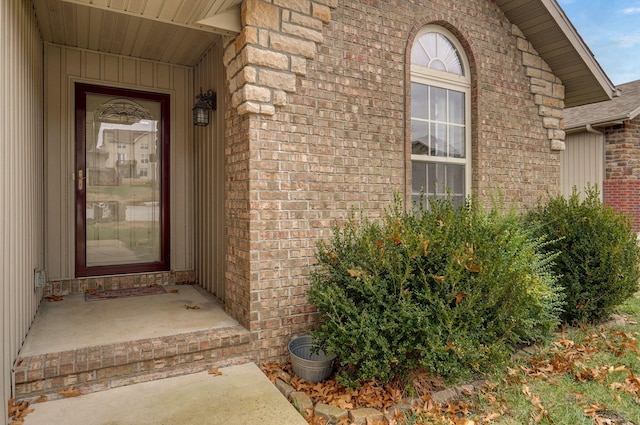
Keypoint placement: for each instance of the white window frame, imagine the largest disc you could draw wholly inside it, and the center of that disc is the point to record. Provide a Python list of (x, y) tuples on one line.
[(446, 80)]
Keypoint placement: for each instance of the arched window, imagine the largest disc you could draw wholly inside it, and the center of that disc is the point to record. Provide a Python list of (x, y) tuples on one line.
[(440, 117)]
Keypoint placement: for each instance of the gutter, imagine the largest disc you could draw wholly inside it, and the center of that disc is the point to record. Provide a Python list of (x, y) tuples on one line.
[(590, 129)]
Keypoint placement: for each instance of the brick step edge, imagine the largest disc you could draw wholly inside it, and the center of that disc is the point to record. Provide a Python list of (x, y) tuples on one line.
[(92, 369)]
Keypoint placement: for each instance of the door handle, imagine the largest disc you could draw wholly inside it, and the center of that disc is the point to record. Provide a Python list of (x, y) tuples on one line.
[(80, 179)]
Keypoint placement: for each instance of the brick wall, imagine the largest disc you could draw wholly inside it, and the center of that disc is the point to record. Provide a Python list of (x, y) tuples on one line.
[(621, 188), (622, 151), (317, 128), (624, 196)]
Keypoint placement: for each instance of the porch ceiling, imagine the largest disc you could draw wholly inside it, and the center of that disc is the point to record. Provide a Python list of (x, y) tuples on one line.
[(173, 31)]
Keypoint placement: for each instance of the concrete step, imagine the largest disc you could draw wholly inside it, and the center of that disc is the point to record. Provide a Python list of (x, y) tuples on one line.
[(44, 377), (239, 395)]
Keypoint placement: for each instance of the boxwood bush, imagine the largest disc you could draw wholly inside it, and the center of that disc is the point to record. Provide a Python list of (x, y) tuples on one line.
[(452, 290), (599, 254)]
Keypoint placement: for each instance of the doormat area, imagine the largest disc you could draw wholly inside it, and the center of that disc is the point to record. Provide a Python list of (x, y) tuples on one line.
[(124, 293)]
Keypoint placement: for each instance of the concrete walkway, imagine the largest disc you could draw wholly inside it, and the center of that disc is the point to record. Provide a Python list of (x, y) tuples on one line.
[(241, 395)]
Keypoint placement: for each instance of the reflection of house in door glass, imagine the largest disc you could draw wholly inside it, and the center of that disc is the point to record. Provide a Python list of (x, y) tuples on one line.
[(129, 147), (122, 204)]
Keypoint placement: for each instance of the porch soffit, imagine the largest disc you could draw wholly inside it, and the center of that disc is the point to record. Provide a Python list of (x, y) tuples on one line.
[(546, 26), (172, 31), (179, 32)]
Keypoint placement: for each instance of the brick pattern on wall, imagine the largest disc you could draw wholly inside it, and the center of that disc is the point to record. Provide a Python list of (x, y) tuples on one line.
[(622, 151), (237, 219), (303, 157), (621, 188), (107, 283), (624, 196), (43, 377)]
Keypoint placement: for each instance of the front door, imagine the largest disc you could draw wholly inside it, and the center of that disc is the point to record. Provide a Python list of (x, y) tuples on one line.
[(121, 181)]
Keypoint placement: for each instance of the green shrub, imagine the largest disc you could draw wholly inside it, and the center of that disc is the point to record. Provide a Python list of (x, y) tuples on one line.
[(453, 290), (599, 254)]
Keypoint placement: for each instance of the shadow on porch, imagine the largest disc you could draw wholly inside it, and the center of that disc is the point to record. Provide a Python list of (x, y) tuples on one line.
[(97, 345)]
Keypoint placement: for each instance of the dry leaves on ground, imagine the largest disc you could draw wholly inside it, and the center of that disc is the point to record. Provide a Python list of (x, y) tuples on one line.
[(370, 394), (17, 411), (384, 398), (566, 358), (577, 360)]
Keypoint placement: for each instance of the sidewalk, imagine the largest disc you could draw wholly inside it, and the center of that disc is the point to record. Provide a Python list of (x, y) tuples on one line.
[(241, 395)]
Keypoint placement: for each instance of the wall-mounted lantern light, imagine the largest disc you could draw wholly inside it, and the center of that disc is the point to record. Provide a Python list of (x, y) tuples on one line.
[(206, 102)]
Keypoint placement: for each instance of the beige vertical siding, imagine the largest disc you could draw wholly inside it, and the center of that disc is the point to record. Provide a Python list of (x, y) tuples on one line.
[(66, 65), (209, 166), (21, 180), (582, 163)]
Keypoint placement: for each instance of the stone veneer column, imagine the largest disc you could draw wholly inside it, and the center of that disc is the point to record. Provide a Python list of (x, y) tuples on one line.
[(547, 90), (277, 39)]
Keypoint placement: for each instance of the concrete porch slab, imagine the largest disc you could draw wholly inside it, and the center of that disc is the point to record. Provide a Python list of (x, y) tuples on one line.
[(73, 323), (101, 345), (241, 395)]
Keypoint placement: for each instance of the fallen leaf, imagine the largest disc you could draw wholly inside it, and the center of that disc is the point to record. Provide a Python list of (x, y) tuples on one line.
[(53, 298), (17, 412), (215, 372), (599, 420), (491, 417), (593, 409), (70, 392), (308, 413), (192, 307)]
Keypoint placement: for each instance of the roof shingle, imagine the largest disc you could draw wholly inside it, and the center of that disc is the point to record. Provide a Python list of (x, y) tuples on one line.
[(621, 108)]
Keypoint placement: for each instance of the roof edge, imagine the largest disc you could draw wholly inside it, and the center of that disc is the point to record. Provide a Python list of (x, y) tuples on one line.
[(634, 113), (612, 120), (582, 126), (581, 47)]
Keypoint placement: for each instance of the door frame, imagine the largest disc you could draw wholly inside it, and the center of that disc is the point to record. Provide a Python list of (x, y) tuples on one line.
[(81, 269)]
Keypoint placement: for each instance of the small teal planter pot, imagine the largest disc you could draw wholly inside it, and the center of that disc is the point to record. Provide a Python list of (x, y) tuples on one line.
[(307, 362)]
